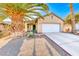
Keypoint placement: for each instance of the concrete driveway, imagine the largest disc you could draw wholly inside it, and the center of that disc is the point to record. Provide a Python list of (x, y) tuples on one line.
[(68, 42)]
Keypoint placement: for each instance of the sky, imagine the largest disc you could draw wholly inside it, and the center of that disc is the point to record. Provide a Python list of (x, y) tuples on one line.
[(62, 9)]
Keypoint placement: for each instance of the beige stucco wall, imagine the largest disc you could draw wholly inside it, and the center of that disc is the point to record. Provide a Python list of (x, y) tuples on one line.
[(51, 19), (67, 28), (26, 27), (30, 27), (39, 28)]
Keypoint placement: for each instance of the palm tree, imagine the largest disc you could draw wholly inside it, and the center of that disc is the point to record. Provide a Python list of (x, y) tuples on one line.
[(72, 18), (2, 18), (18, 12), (68, 19), (77, 18)]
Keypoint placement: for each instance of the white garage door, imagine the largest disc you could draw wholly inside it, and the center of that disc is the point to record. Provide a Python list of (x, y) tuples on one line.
[(77, 26), (50, 28)]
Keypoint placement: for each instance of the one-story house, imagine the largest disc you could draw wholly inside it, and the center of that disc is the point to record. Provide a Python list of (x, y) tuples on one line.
[(2, 28), (50, 23)]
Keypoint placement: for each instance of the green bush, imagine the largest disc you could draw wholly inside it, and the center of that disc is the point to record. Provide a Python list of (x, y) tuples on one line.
[(30, 34)]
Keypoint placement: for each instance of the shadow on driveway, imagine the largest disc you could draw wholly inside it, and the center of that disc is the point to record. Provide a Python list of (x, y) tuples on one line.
[(12, 48)]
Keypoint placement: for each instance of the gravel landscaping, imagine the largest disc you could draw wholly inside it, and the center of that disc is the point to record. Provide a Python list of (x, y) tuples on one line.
[(37, 47)]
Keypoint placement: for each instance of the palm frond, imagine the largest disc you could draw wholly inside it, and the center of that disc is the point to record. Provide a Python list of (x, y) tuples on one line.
[(25, 8), (29, 17)]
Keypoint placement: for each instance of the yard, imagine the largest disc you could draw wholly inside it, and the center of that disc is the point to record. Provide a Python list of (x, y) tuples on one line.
[(52, 42)]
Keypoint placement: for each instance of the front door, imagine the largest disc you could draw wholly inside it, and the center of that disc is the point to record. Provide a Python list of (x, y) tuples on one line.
[(34, 28)]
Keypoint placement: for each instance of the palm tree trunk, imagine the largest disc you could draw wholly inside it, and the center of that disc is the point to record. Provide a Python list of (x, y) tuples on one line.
[(17, 23), (72, 18)]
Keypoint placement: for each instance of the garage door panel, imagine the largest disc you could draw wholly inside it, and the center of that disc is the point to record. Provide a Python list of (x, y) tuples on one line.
[(50, 28)]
